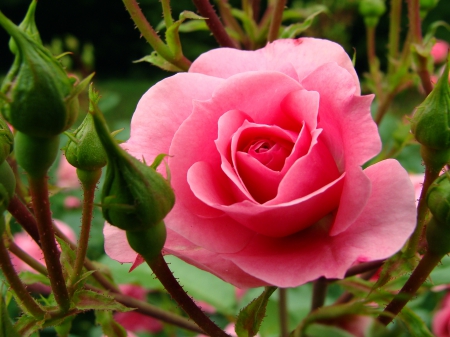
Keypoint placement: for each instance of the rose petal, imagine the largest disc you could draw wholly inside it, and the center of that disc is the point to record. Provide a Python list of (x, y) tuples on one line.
[(116, 244), (304, 55), (382, 228)]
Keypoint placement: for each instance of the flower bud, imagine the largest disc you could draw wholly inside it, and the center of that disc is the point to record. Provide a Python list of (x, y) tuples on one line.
[(148, 243), (84, 149), (134, 197), (37, 97), (438, 199), (7, 189), (372, 10), (431, 121), (28, 25), (438, 237), (6, 140)]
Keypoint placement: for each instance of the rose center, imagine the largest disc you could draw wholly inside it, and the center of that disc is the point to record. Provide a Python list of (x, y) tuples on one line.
[(269, 152)]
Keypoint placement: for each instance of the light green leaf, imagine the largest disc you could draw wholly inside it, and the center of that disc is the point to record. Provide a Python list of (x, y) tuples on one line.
[(63, 329), (109, 326), (27, 325), (298, 28), (416, 327), (28, 277), (250, 318), (159, 61), (86, 300), (321, 330)]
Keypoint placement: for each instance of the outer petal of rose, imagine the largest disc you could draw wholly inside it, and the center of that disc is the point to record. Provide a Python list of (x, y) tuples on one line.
[(382, 228), (350, 133), (258, 94), (161, 111), (116, 244), (209, 261), (275, 221), (304, 54)]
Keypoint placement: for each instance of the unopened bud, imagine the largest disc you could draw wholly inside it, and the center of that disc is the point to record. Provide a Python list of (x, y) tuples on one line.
[(372, 10)]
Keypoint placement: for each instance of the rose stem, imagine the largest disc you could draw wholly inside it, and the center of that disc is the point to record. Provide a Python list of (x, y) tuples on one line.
[(217, 29), (256, 4), (152, 311), (416, 34), (276, 21), (373, 63), (167, 14), (27, 220), (89, 182), (152, 37), (24, 217), (28, 259), (230, 20), (422, 211), (394, 34), (364, 267), (284, 324), (41, 206), (165, 276), (417, 278), (319, 293), (16, 284)]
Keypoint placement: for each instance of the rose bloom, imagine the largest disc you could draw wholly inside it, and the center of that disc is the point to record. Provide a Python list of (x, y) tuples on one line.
[(265, 153), (439, 51), (441, 319)]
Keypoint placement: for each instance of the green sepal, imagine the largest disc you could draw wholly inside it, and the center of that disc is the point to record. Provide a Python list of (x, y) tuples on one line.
[(438, 237), (144, 195), (438, 200), (157, 60), (149, 242), (28, 26), (250, 318), (296, 29)]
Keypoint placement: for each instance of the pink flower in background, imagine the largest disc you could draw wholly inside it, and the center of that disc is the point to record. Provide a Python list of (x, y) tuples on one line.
[(72, 202), (439, 51), (135, 321), (67, 175), (266, 149), (417, 181), (441, 319), (26, 243)]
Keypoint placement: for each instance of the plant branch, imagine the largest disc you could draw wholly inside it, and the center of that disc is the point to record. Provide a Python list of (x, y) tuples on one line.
[(41, 207), (16, 284), (394, 34), (165, 276), (275, 24), (319, 293), (217, 29), (417, 278), (25, 257), (24, 217), (167, 14), (283, 313)]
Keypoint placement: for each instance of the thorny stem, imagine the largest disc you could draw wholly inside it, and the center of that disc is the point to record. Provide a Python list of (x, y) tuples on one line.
[(165, 4), (165, 276), (217, 29), (422, 211), (373, 62), (417, 278), (89, 182), (276, 21), (28, 259), (394, 34), (152, 37), (319, 293), (16, 284), (416, 36), (41, 206), (283, 313), (24, 217), (229, 19)]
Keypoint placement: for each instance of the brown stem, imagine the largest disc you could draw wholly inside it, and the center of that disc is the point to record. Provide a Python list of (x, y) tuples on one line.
[(276, 21), (217, 29), (319, 293), (165, 276), (284, 323), (24, 217), (41, 206), (256, 5), (16, 284), (364, 267), (394, 34), (230, 20), (417, 278), (28, 259)]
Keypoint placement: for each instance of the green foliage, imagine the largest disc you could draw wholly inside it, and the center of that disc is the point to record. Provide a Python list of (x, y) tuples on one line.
[(109, 326), (6, 326)]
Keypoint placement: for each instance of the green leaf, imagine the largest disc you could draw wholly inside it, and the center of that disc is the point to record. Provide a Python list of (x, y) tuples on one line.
[(416, 327), (159, 61), (28, 277), (87, 300), (190, 15), (67, 258), (63, 329), (109, 326), (395, 267), (298, 28), (6, 326), (250, 318), (193, 26), (27, 325), (321, 330)]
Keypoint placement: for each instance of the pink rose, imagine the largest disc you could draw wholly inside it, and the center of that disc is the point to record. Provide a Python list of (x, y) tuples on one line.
[(67, 175), (266, 149), (441, 320), (439, 51)]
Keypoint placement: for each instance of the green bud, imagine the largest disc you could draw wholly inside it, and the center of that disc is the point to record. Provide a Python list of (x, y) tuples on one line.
[(149, 242), (438, 199), (431, 121), (37, 97), (427, 5), (28, 26), (134, 197), (84, 149), (7, 189), (438, 237), (6, 140), (372, 10)]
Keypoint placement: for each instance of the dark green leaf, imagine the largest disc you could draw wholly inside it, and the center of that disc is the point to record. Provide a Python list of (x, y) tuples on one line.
[(250, 318), (63, 329), (416, 327), (109, 326), (30, 278), (6, 326), (26, 325)]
